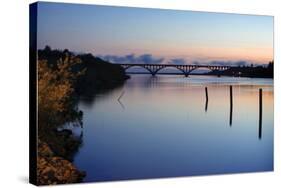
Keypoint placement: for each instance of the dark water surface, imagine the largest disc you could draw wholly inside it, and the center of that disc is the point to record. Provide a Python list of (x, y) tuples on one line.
[(162, 127)]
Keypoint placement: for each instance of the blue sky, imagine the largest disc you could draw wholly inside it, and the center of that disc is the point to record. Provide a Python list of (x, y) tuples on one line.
[(169, 34)]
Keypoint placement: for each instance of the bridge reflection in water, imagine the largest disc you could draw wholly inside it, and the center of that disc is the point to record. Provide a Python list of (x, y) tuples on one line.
[(185, 69)]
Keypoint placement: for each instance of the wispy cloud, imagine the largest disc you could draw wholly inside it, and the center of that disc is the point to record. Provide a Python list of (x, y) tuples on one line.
[(178, 61), (230, 63), (132, 58), (150, 59)]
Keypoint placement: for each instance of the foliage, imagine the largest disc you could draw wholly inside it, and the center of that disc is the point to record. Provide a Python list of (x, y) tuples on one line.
[(99, 75), (56, 104), (248, 71), (55, 91)]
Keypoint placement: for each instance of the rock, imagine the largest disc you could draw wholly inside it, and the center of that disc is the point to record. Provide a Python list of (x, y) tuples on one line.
[(55, 170)]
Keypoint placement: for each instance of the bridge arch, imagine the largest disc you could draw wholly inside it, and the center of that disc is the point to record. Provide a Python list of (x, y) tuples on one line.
[(173, 67), (132, 66), (211, 68), (197, 68)]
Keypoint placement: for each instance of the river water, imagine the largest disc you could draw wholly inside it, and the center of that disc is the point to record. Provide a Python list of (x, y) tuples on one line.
[(162, 126)]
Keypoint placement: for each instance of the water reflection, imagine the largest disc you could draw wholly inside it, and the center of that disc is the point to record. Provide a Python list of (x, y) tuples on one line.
[(119, 100), (152, 136), (89, 99), (59, 134), (230, 115), (206, 105)]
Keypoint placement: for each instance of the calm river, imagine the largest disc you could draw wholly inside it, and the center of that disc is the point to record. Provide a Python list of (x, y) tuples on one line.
[(161, 126)]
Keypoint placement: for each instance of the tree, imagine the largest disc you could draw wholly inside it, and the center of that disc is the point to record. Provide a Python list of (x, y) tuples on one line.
[(55, 91)]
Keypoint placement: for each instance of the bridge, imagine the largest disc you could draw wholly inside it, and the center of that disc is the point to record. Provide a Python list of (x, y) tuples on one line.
[(185, 69)]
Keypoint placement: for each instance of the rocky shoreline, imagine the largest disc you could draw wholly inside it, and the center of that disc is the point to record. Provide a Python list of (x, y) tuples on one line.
[(52, 170)]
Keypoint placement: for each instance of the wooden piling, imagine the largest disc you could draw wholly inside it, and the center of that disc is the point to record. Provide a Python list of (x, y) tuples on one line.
[(231, 106), (206, 91), (260, 113), (207, 98), (231, 96)]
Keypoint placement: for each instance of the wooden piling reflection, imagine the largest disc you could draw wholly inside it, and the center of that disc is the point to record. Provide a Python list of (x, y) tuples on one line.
[(260, 113), (206, 106), (231, 106)]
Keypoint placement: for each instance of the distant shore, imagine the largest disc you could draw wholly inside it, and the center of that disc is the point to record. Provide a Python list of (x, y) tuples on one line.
[(192, 74)]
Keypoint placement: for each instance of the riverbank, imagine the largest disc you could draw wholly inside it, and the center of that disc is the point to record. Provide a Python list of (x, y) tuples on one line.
[(62, 78)]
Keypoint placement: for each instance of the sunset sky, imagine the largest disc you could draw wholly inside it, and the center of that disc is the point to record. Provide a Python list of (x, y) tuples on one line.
[(163, 35)]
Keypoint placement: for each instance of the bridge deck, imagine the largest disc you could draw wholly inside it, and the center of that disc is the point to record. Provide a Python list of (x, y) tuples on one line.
[(185, 69), (172, 65)]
